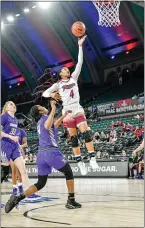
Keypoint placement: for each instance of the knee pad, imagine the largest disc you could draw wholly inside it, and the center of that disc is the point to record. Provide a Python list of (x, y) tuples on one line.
[(87, 136), (67, 171), (41, 182), (74, 141)]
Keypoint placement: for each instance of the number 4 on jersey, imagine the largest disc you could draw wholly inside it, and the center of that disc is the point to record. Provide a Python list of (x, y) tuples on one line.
[(72, 93)]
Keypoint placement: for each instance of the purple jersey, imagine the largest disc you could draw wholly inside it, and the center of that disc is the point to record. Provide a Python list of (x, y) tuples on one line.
[(47, 138), (9, 126), (22, 134)]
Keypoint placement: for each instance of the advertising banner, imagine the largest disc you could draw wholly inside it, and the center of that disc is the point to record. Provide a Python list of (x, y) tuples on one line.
[(126, 109), (123, 103), (141, 100), (103, 107), (106, 169), (121, 106)]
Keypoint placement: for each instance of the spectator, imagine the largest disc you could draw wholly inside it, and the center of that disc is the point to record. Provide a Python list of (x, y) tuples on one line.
[(142, 129), (124, 127), (112, 124), (141, 167), (116, 124), (141, 118), (138, 133), (113, 136), (129, 127), (107, 137), (123, 153), (102, 135), (97, 137), (137, 117), (134, 166), (120, 124)]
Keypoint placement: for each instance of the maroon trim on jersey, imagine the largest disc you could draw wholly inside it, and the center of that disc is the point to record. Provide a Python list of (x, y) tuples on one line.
[(61, 80)]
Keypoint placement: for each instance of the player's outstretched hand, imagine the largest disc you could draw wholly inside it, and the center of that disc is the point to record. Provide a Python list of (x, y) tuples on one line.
[(81, 40), (55, 96), (53, 104), (67, 112), (14, 138)]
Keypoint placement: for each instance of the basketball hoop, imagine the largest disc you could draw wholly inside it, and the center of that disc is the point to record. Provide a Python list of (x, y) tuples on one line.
[(108, 13)]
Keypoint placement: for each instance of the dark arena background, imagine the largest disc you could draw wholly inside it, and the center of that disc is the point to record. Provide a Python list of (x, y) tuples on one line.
[(36, 42)]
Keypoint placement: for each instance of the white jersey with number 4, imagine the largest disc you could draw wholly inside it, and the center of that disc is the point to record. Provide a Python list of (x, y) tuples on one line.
[(68, 89)]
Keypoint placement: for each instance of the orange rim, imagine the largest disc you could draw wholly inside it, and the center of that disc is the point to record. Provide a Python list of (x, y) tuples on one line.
[(105, 2)]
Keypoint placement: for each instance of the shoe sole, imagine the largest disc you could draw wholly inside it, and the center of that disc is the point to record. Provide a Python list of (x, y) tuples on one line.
[(72, 207), (84, 174), (94, 167)]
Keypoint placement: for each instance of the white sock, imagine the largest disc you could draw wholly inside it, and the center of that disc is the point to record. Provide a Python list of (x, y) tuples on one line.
[(14, 186), (20, 184)]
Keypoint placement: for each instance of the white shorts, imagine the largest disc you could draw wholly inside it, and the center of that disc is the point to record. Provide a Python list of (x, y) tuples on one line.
[(75, 108), (74, 119)]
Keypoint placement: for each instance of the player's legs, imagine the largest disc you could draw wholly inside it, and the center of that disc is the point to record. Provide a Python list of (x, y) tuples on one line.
[(20, 183), (70, 122), (67, 171), (75, 144), (14, 200), (20, 164), (44, 169), (76, 150), (14, 177), (140, 166), (63, 166), (36, 187), (83, 128)]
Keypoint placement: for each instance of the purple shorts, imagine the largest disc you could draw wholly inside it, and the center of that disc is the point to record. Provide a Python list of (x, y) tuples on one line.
[(9, 150), (48, 159)]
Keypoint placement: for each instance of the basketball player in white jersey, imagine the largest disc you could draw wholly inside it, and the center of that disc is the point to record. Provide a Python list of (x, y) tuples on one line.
[(67, 89)]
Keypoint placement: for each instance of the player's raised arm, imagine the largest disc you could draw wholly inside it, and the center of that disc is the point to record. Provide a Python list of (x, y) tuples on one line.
[(48, 92), (59, 120), (48, 123), (78, 68)]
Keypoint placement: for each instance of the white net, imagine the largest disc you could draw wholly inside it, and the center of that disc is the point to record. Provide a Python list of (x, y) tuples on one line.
[(108, 13)]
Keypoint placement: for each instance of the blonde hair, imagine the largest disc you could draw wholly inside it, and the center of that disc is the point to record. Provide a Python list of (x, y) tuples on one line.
[(4, 110)]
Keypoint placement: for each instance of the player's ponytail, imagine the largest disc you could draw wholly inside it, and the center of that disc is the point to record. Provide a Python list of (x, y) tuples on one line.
[(34, 112), (4, 110)]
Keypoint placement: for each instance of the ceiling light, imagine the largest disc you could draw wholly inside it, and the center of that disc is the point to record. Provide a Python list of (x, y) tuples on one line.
[(2, 24), (112, 57), (127, 70), (26, 10), (127, 52), (44, 5), (17, 15), (18, 84), (10, 86), (10, 18), (33, 7)]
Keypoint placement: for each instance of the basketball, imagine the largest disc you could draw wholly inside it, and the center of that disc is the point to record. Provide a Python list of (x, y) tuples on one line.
[(78, 29)]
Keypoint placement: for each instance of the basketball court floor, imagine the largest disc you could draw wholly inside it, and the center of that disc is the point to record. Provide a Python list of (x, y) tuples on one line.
[(105, 203)]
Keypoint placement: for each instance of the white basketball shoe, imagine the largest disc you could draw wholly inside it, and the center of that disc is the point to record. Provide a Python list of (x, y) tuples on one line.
[(93, 163), (83, 168)]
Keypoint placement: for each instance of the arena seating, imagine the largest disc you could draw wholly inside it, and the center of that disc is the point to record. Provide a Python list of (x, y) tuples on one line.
[(127, 143), (125, 91)]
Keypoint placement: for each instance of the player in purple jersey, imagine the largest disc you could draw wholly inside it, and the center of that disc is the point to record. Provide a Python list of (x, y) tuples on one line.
[(9, 140), (16, 176), (48, 156)]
